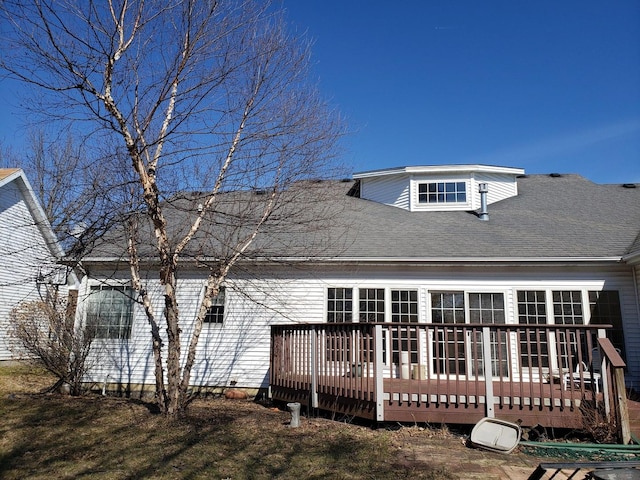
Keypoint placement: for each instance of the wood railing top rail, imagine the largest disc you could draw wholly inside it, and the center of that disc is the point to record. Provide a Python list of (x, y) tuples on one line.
[(611, 353), (355, 325)]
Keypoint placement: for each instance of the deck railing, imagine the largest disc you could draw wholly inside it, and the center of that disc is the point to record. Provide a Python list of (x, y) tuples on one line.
[(553, 375)]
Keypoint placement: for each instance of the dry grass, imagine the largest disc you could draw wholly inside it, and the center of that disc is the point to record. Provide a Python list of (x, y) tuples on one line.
[(46, 436)]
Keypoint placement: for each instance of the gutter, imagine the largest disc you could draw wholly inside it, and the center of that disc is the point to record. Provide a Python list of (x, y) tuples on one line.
[(632, 258), (424, 261)]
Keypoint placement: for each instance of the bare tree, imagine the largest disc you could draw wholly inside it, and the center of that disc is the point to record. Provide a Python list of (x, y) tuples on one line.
[(207, 96), (70, 182), (46, 330)]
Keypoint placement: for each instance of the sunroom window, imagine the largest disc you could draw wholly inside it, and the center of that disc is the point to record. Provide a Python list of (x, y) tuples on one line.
[(372, 304), (339, 305)]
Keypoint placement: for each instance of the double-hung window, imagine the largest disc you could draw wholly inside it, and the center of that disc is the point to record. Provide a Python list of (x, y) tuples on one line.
[(110, 311), (488, 308), (339, 310), (215, 313), (339, 305), (534, 343), (404, 309), (371, 305), (567, 310)]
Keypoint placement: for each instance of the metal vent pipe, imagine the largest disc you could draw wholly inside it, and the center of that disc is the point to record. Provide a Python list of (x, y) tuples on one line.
[(483, 188)]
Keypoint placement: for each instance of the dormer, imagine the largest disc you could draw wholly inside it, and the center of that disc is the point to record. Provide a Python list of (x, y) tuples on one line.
[(438, 187)]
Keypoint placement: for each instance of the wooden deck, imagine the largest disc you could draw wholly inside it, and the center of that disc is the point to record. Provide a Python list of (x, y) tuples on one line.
[(435, 374)]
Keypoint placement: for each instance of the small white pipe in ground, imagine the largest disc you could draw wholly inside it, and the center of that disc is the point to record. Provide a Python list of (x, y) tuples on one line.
[(295, 414), (104, 385)]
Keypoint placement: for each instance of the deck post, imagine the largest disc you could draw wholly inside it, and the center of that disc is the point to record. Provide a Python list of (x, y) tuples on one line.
[(602, 333), (314, 369), (378, 371), (488, 374), (623, 408)]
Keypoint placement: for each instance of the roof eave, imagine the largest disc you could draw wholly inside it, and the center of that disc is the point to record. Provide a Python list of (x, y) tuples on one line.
[(424, 261), (439, 169), (632, 258), (36, 209)]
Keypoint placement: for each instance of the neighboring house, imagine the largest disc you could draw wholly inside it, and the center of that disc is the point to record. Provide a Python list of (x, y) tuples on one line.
[(29, 251), (434, 245)]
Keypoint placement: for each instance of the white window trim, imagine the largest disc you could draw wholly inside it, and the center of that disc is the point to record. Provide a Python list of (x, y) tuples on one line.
[(110, 283)]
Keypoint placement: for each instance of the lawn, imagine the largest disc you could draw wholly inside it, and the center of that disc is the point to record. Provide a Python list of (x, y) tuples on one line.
[(47, 436)]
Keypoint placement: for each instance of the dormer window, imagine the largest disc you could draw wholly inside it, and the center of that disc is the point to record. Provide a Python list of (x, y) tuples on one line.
[(442, 192), (438, 188)]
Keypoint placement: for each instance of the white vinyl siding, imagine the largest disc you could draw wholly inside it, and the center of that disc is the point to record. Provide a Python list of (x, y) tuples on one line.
[(238, 352), (403, 190), (391, 190), (23, 251), (500, 187)]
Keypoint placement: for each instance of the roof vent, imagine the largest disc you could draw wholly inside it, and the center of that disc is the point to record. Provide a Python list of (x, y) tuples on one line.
[(483, 188), (629, 185), (555, 175)]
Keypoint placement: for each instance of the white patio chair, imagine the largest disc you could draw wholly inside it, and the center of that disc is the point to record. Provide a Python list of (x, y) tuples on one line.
[(583, 375)]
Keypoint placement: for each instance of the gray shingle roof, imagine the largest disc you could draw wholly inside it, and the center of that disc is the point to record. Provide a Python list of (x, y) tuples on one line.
[(567, 216), (551, 217)]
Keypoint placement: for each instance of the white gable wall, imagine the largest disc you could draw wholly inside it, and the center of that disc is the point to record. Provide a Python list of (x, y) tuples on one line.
[(237, 352), (23, 250)]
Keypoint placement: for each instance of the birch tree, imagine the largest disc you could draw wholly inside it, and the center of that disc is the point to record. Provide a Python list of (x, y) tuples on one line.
[(208, 96)]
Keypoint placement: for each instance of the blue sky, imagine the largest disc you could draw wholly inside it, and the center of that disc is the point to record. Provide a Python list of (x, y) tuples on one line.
[(549, 86)]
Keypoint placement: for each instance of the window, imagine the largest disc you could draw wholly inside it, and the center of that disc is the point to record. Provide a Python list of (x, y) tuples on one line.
[(449, 343), (534, 345), (372, 304), (109, 311), (442, 192), (605, 310), (488, 308), (567, 307), (404, 308), (215, 313), (447, 307), (339, 305), (567, 310)]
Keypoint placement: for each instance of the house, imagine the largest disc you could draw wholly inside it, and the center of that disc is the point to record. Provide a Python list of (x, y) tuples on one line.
[(452, 265), (29, 251)]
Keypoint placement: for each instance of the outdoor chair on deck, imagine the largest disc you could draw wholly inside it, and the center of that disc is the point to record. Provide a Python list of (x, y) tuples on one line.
[(584, 376)]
